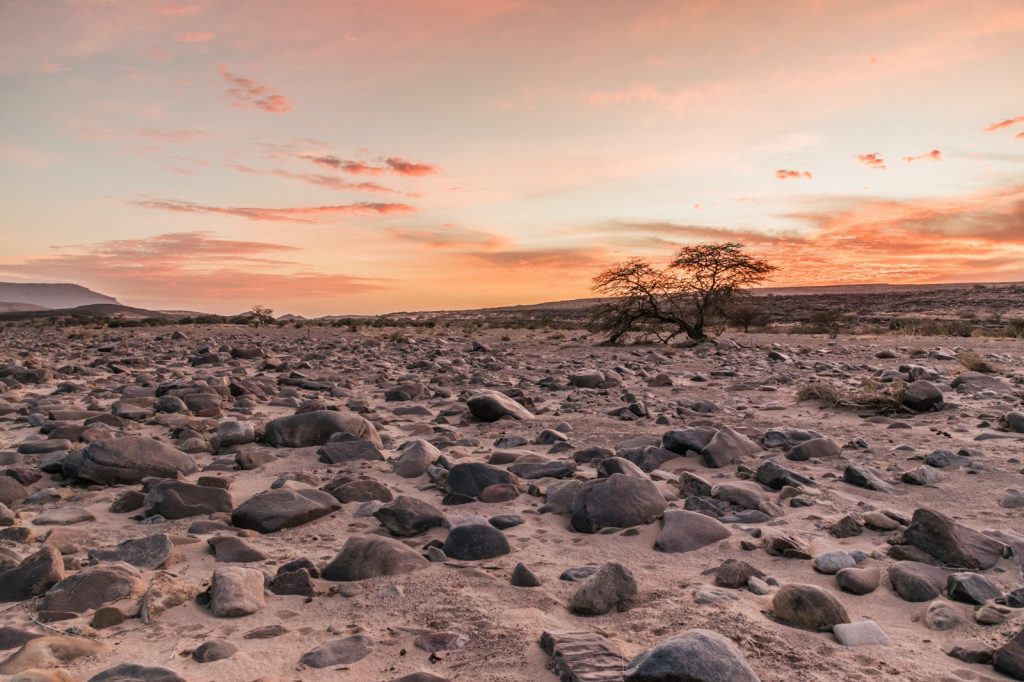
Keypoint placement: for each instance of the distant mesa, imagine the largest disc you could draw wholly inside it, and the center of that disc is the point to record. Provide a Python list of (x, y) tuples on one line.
[(48, 296)]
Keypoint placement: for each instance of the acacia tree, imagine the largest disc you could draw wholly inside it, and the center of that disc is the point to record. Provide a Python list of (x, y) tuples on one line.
[(700, 282), (262, 315)]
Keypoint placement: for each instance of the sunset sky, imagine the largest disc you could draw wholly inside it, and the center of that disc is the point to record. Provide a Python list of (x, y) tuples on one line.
[(368, 156)]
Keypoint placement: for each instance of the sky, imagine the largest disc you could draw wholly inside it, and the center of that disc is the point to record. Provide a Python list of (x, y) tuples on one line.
[(367, 156)]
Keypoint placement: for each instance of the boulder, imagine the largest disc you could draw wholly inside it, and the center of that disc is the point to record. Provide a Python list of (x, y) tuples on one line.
[(417, 456), (236, 591), (133, 672), (93, 587), (339, 652), (726, 447), (471, 478), (950, 542), (490, 406), (808, 607), (173, 499), (922, 396), (612, 586), (51, 652), (618, 501), (274, 510), (148, 552), (694, 656), (408, 516), (473, 539), (685, 531), (914, 581), (369, 556), (317, 427), (1009, 658), (815, 448), (33, 576), (127, 460)]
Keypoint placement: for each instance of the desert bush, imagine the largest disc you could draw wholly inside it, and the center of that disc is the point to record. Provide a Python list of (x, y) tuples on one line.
[(974, 362), (870, 395)]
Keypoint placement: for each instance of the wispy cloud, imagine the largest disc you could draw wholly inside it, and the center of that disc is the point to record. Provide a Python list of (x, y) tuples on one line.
[(194, 37), (451, 237), (933, 155), (329, 181), (872, 160), (793, 175), (177, 136), (178, 10), (299, 214), (1005, 123), (247, 92), (389, 165)]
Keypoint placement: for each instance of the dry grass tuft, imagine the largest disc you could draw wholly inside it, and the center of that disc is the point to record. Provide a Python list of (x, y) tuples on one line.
[(974, 362), (871, 395)]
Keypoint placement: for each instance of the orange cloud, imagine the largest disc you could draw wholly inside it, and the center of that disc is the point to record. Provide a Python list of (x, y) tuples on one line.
[(451, 237), (391, 164), (934, 155), (177, 10), (975, 237), (174, 135), (1005, 123), (198, 37), (403, 167), (202, 267), (793, 174), (1019, 136), (248, 92), (872, 160), (328, 181), (300, 214)]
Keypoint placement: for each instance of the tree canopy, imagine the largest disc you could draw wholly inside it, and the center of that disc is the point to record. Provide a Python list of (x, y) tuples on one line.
[(701, 281)]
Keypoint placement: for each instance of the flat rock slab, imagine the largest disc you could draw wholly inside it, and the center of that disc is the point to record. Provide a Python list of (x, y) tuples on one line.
[(583, 656)]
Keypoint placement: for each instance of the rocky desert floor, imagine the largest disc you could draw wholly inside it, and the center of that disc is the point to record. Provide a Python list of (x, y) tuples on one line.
[(216, 503)]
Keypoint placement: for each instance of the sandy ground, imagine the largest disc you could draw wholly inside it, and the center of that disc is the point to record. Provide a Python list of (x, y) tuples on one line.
[(475, 598)]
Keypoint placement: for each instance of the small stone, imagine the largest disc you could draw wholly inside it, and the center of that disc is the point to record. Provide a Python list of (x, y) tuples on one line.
[(808, 607), (106, 617), (522, 576), (612, 586), (214, 650), (858, 580), (863, 633), (831, 563), (942, 615), (236, 591), (339, 652)]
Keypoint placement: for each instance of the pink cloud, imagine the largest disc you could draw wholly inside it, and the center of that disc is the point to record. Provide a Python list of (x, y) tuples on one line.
[(403, 167), (872, 160), (177, 10), (1005, 123), (198, 37), (450, 237), (793, 174), (176, 136), (248, 92), (328, 181), (391, 164), (933, 155), (300, 214)]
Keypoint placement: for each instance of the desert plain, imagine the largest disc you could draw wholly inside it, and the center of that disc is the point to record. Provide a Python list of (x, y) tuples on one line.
[(225, 503)]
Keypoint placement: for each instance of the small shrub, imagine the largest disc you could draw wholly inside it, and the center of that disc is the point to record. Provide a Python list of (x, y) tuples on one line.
[(974, 362), (871, 395)]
